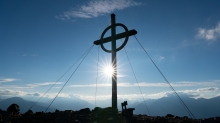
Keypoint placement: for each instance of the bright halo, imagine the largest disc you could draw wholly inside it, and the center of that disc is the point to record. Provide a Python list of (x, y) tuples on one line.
[(108, 70)]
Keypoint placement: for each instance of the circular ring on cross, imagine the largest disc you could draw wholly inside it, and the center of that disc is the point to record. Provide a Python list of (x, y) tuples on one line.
[(124, 43)]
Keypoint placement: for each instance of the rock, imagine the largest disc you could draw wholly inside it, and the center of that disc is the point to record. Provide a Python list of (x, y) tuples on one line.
[(85, 110), (170, 115), (14, 108)]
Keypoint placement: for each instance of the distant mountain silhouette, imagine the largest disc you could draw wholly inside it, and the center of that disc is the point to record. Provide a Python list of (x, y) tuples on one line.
[(201, 108), (60, 103), (72, 103), (23, 104)]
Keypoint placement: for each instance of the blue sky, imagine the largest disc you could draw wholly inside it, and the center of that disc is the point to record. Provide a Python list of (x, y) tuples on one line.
[(40, 40)]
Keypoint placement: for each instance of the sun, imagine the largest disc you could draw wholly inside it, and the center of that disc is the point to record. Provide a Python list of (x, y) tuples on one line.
[(108, 71)]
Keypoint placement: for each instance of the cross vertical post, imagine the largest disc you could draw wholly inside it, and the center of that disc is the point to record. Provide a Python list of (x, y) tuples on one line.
[(114, 64)]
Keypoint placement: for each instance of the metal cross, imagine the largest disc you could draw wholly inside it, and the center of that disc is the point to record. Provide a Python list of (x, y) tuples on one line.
[(114, 49)]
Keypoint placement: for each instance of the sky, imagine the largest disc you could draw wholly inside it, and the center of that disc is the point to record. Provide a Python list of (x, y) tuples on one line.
[(41, 39)]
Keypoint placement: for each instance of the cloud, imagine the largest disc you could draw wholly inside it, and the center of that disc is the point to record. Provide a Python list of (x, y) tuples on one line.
[(98, 97), (7, 80), (28, 86), (146, 84), (14, 87), (103, 85), (201, 92), (33, 55), (95, 8), (34, 94), (20, 73), (190, 84), (105, 97), (161, 57), (52, 95), (179, 84), (119, 96), (209, 89), (8, 92), (43, 84), (121, 75), (209, 34), (121, 85), (197, 93)]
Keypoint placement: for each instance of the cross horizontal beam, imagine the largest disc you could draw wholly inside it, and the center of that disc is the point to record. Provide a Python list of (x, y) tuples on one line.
[(118, 36)]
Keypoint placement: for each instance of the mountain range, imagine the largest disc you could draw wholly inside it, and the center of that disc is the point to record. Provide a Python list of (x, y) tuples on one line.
[(200, 108), (60, 104)]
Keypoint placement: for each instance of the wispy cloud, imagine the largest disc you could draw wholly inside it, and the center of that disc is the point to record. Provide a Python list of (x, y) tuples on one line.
[(161, 57), (8, 92), (89, 97), (28, 86), (95, 8), (43, 84), (20, 73), (15, 92), (179, 84), (209, 89), (209, 34), (14, 87), (103, 85), (34, 94), (121, 75), (145, 84), (7, 80), (52, 95), (34, 55)]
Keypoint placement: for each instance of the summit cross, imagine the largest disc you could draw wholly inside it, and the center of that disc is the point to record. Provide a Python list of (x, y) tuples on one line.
[(114, 49)]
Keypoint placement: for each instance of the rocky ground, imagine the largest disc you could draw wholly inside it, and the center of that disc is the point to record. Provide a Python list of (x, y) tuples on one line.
[(97, 115)]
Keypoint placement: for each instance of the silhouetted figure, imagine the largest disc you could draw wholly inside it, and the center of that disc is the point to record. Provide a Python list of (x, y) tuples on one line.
[(126, 112)]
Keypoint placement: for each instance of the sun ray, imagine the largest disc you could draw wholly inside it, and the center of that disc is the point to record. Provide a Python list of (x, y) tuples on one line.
[(108, 70)]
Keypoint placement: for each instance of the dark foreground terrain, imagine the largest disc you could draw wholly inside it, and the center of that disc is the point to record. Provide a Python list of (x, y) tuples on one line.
[(97, 115)]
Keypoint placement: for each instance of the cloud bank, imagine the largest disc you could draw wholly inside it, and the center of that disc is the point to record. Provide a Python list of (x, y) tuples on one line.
[(95, 8)]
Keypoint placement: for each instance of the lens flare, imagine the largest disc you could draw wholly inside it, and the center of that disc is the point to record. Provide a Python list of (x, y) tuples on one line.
[(108, 70)]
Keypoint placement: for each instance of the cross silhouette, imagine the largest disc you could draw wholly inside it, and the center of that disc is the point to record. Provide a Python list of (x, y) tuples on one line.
[(114, 49)]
